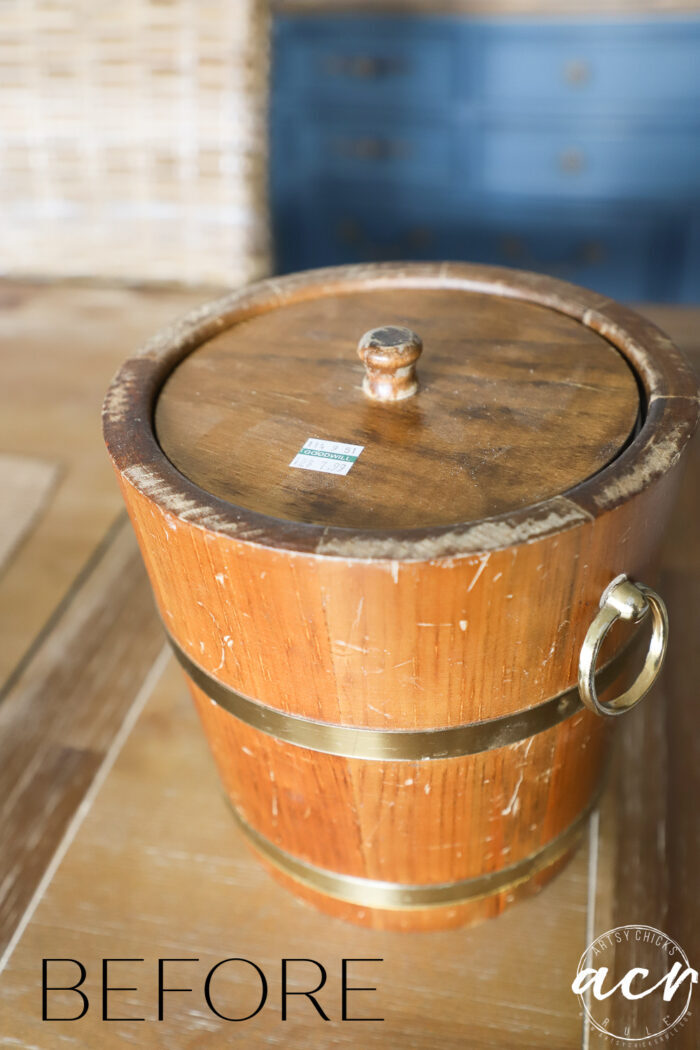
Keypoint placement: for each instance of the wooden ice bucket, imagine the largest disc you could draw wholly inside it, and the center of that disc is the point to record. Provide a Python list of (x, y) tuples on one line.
[(388, 580)]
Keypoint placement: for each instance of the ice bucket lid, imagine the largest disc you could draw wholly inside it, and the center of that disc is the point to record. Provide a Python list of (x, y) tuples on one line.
[(512, 403), (395, 399)]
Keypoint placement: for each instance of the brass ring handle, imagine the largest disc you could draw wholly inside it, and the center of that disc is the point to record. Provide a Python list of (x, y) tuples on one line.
[(623, 600)]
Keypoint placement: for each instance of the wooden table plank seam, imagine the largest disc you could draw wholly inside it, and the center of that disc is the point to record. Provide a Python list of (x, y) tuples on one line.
[(593, 846), (84, 573), (122, 735)]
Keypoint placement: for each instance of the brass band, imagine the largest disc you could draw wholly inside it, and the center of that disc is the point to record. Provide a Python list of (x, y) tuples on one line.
[(400, 745), (373, 893)]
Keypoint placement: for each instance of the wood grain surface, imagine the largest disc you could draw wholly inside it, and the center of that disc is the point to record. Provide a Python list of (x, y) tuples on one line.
[(424, 642), (419, 823), (59, 717), (516, 403), (60, 346), (151, 891), (74, 580), (170, 876), (657, 835), (26, 485)]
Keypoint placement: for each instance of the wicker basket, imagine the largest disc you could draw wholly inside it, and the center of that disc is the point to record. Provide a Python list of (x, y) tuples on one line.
[(133, 140)]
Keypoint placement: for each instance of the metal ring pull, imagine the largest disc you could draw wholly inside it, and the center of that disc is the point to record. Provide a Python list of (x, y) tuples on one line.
[(623, 600)]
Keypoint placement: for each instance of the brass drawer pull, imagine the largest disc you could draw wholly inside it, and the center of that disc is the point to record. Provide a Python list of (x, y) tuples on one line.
[(366, 67), (623, 600), (572, 161), (577, 72), (372, 149)]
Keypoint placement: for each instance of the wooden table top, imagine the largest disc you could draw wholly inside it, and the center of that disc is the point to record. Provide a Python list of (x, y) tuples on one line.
[(115, 840)]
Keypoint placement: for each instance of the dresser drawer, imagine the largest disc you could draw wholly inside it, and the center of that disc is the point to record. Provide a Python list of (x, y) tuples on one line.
[(349, 229), (377, 153), (576, 162), (626, 253), (610, 254), (612, 250), (616, 67), (387, 64)]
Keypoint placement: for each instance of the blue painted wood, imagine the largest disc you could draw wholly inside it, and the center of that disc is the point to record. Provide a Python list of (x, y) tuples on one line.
[(378, 153), (571, 147), (621, 67), (386, 64), (595, 246), (585, 159)]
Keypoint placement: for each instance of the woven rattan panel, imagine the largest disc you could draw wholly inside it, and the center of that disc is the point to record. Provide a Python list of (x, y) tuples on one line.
[(133, 139)]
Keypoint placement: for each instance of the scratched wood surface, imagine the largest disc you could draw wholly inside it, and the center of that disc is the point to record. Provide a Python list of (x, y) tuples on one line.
[(515, 404), (402, 642), (148, 890), (158, 869)]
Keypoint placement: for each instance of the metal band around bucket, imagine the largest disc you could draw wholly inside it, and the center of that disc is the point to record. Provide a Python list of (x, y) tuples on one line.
[(375, 893), (399, 745)]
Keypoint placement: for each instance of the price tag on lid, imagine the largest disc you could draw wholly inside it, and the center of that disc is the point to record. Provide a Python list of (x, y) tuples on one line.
[(328, 457)]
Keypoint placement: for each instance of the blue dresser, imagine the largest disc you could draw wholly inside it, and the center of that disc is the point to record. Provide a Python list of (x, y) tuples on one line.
[(566, 146)]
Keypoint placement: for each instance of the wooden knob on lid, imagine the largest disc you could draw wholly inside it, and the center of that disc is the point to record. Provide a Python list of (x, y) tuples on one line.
[(389, 355)]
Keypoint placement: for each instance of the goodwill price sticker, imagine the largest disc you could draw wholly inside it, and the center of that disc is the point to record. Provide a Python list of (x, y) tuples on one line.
[(328, 457)]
